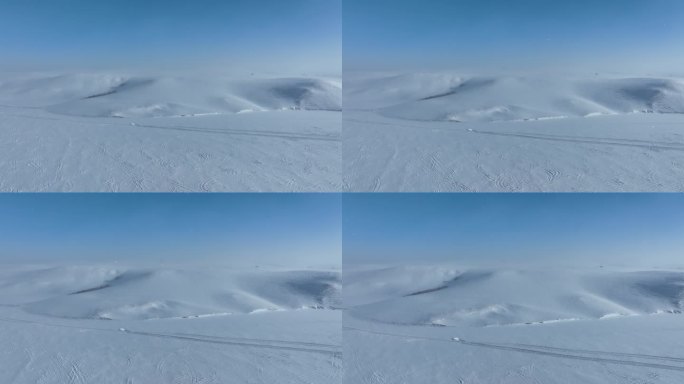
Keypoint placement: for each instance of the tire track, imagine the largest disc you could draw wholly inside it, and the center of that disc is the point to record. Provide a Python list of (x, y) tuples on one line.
[(225, 131), (573, 356), (540, 350), (594, 352), (255, 343), (653, 145), (242, 339), (260, 133), (237, 343), (75, 374)]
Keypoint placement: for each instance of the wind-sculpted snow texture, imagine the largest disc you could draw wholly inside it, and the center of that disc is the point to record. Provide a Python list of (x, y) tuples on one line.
[(102, 132), (84, 324), (445, 97), (444, 324), (448, 132), (104, 95)]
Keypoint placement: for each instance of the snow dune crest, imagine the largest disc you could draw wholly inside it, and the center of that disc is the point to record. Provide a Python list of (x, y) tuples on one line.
[(494, 297), (448, 97), (140, 294), (105, 95)]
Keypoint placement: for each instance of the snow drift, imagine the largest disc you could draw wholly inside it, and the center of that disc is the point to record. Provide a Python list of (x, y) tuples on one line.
[(448, 97), (138, 293), (440, 296), (106, 95)]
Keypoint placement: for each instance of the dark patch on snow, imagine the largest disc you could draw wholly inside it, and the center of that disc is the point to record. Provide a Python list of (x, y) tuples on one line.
[(127, 276), (99, 287), (463, 278), (427, 291), (319, 290), (121, 87), (463, 87), (669, 287)]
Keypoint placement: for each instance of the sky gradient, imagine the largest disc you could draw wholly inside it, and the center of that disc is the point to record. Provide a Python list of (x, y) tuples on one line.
[(524, 35), (560, 229), (256, 35), (240, 229)]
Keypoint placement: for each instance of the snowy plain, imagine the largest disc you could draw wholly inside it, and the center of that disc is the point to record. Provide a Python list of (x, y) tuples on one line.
[(169, 132), (452, 132), (201, 324), (444, 324)]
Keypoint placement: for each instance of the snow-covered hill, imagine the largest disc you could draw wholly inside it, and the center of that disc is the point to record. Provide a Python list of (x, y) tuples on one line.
[(487, 297), (427, 132), (107, 95), (89, 292), (445, 324), (184, 324), (448, 97), (169, 133)]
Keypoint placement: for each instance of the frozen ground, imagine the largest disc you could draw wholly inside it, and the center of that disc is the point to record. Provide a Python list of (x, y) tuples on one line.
[(101, 132), (513, 326), (442, 132), (102, 324)]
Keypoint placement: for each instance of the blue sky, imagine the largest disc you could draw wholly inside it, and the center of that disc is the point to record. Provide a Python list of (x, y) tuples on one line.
[(283, 229), (566, 229), (266, 35), (476, 35)]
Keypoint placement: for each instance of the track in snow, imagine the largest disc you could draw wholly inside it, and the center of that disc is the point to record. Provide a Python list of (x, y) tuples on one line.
[(576, 354), (327, 349)]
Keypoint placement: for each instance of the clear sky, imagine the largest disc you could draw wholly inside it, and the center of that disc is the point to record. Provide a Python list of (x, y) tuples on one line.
[(478, 35), (258, 35), (566, 229), (245, 229)]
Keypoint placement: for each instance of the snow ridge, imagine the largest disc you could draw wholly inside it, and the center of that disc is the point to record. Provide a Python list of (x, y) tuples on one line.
[(449, 97), (105, 95), (494, 297), (141, 294)]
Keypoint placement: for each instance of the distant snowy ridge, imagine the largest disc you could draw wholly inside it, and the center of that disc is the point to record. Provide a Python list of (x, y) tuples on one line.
[(449, 97), (493, 297), (107, 293), (103, 95)]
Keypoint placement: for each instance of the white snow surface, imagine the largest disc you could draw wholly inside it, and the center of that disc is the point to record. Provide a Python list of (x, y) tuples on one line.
[(105, 132), (107, 95), (448, 97), (449, 132), (105, 324), (444, 324)]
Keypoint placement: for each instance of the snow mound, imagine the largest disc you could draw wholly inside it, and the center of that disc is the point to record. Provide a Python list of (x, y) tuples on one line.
[(445, 97), (103, 95), (25, 284), (510, 297), (372, 91), (369, 285), (41, 90), (139, 294)]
